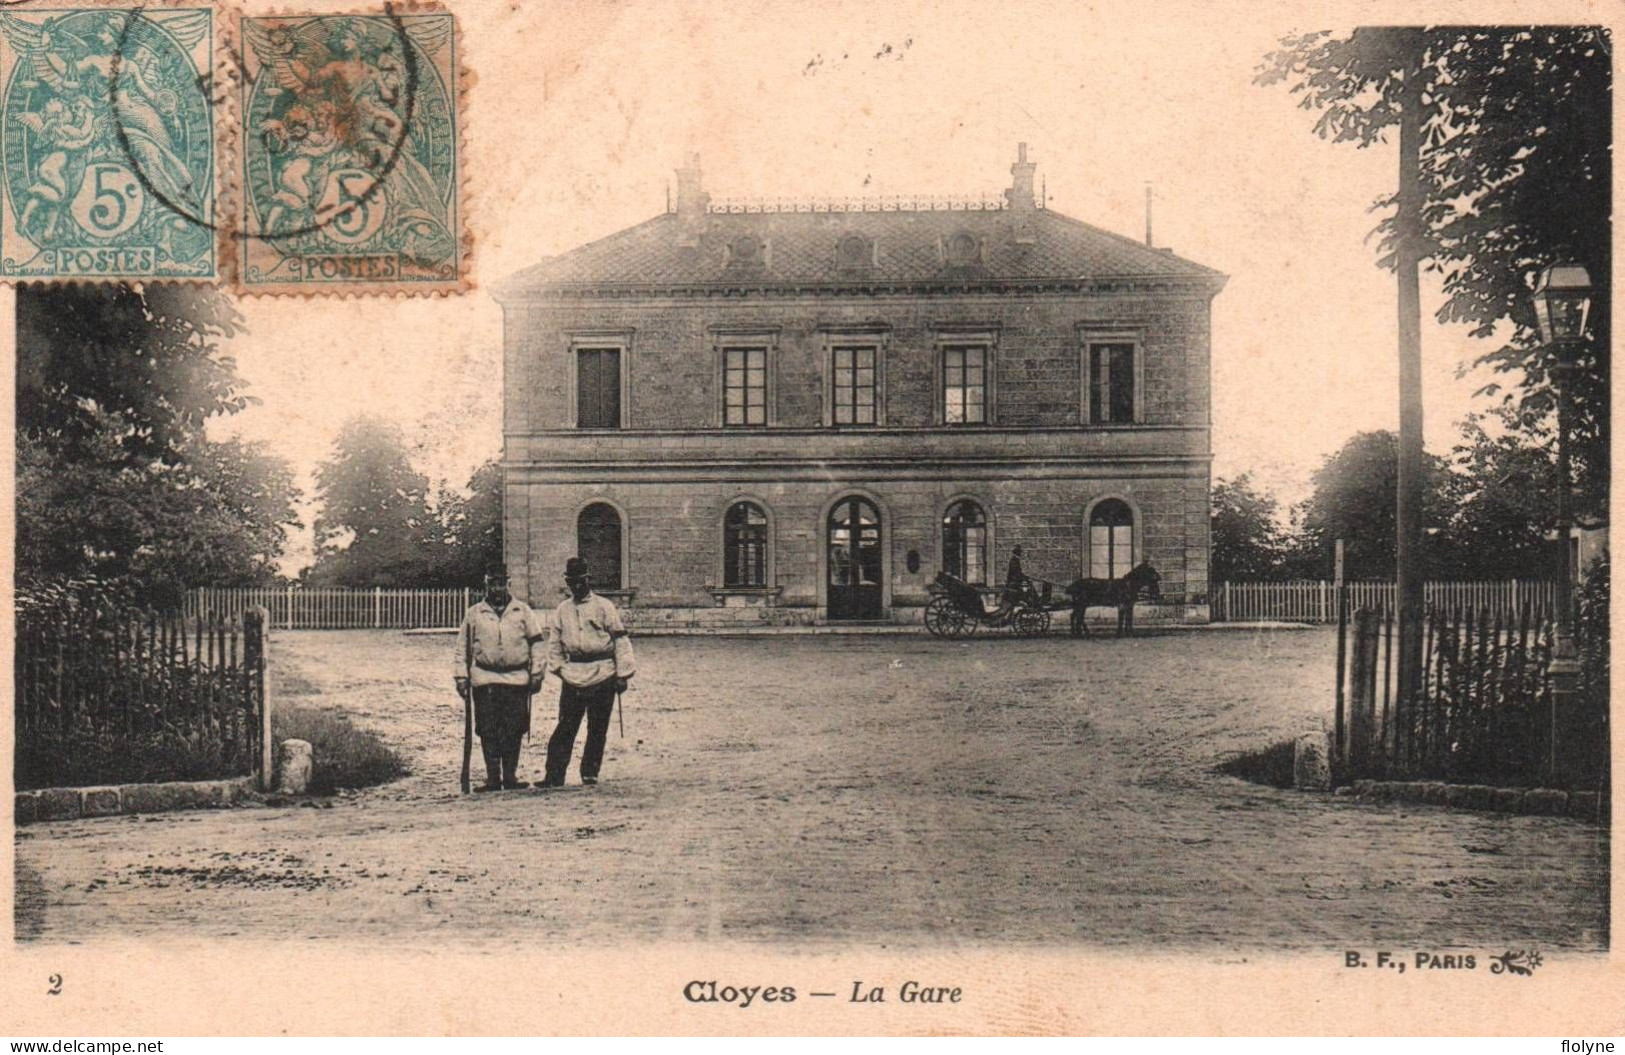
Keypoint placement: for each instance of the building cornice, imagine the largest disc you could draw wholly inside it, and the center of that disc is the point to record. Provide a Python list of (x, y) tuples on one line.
[(1204, 285), (848, 432), (642, 470)]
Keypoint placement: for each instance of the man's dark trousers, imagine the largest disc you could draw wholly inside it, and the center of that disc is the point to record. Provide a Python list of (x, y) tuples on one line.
[(501, 718), (597, 703)]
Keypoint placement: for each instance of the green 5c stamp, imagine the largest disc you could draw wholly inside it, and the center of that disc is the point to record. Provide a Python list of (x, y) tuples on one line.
[(350, 161), (107, 134)]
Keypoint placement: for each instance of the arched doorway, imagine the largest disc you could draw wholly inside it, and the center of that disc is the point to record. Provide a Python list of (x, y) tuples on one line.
[(856, 569), (598, 542)]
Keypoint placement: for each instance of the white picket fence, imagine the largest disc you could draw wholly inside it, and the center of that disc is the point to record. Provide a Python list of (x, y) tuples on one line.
[(1316, 602), (297, 608)]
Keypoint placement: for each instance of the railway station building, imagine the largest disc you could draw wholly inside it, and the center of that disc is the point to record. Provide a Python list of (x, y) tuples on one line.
[(798, 412)]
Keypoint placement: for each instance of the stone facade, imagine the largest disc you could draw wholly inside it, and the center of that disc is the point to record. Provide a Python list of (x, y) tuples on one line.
[(1037, 466)]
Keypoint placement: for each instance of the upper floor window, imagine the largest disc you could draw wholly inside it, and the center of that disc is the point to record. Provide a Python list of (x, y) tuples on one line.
[(744, 545), (1110, 373), (856, 387), (598, 388), (964, 384), (744, 387)]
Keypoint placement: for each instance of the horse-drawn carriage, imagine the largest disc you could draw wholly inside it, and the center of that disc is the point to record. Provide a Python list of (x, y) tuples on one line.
[(958, 609)]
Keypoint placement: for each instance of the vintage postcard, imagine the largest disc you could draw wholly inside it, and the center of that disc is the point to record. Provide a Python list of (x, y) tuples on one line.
[(897, 518)]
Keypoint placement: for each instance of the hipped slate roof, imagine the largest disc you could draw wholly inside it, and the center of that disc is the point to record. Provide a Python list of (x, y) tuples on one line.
[(908, 248)]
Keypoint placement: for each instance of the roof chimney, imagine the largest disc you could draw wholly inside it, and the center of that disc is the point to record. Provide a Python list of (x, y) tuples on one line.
[(1020, 197), (1148, 241), (691, 202)]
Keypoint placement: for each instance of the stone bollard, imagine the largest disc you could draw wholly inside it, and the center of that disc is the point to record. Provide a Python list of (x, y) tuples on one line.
[(1312, 763), (294, 765)]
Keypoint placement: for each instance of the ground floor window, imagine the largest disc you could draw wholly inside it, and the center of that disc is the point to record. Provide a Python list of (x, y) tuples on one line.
[(964, 542), (598, 542), (1111, 540), (744, 545)]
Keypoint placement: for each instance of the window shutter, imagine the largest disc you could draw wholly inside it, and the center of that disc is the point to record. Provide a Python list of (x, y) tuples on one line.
[(609, 380), (1123, 382), (598, 388), (587, 388)]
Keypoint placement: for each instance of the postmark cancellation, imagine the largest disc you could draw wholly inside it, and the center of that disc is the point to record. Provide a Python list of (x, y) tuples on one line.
[(348, 149)]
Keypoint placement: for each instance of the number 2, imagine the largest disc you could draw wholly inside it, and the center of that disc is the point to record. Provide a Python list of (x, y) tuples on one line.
[(56, 985)]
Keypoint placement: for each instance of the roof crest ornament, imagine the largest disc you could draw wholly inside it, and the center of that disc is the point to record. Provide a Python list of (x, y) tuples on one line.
[(991, 202)]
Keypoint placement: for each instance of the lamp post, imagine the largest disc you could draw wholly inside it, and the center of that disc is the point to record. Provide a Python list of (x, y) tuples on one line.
[(1562, 301)]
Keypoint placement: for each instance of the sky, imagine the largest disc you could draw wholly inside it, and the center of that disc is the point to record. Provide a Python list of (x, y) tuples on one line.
[(580, 111)]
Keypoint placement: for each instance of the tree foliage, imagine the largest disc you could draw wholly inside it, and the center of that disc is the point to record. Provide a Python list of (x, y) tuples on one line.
[(1502, 507), (375, 527), (1516, 173), (1486, 509), (379, 525), (1354, 499), (109, 371), (1248, 542), (471, 527), (116, 478)]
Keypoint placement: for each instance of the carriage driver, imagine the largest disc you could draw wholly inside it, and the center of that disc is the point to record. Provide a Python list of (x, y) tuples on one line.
[(1015, 580)]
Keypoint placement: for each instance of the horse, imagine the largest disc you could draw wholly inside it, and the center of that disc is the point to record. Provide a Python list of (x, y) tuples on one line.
[(1118, 593)]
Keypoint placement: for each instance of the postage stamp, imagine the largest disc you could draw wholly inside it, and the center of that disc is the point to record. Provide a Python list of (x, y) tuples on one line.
[(108, 138), (349, 152)]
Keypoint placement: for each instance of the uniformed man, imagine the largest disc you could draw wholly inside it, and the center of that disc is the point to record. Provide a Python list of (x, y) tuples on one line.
[(592, 655), (501, 659)]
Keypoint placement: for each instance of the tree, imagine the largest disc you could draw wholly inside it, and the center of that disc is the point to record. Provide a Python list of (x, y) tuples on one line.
[(1516, 173), (375, 527), (1248, 545), (1354, 500), (116, 479), (471, 527), (1502, 508), (142, 369)]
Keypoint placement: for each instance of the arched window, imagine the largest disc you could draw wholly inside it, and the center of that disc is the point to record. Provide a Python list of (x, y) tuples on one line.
[(598, 542), (962, 250), (1111, 540), (744, 545), (853, 252), (964, 542)]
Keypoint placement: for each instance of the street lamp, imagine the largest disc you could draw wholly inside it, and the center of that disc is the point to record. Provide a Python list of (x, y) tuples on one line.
[(1562, 301)]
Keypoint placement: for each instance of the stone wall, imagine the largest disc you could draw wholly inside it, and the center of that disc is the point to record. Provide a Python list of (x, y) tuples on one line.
[(673, 379), (674, 536), (673, 471)]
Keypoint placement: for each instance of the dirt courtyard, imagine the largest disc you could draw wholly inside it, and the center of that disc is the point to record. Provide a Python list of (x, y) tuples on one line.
[(832, 789)]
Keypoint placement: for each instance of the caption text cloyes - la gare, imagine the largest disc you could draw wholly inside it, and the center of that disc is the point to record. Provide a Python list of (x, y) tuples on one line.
[(910, 992)]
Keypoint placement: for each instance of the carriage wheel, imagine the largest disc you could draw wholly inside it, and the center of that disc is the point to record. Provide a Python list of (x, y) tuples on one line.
[(960, 624), (1030, 622), (937, 614)]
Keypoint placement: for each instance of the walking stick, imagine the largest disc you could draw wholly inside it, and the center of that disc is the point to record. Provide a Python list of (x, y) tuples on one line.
[(468, 735), (620, 714)]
